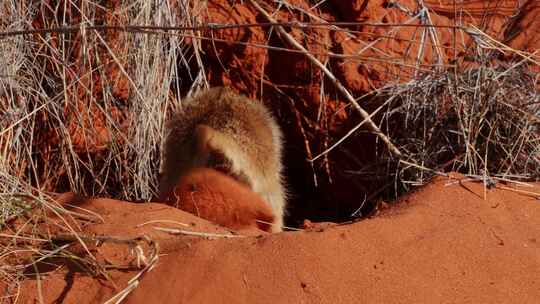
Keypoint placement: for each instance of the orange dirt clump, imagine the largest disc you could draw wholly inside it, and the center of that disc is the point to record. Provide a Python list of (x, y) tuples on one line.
[(448, 242), (220, 199)]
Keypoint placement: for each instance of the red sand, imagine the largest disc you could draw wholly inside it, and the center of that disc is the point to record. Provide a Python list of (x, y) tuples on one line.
[(443, 244)]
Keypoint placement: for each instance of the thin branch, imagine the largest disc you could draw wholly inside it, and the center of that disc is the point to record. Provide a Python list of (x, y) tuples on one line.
[(365, 115), (207, 26)]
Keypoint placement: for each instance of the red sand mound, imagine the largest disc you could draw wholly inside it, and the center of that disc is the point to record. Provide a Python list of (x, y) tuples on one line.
[(220, 199), (445, 243)]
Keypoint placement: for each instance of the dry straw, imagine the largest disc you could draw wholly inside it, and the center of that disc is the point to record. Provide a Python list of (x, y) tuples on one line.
[(483, 121), (64, 124)]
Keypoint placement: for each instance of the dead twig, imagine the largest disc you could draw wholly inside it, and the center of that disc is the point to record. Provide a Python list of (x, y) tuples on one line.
[(365, 115), (196, 233)]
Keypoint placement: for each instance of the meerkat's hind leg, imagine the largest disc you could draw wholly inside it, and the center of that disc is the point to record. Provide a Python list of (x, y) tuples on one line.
[(274, 196)]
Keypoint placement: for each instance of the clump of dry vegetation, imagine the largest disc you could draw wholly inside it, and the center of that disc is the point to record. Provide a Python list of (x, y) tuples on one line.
[(83, 107), (81, 110), (484, 121)]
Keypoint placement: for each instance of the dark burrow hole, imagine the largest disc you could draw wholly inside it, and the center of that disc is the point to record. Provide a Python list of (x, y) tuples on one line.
[(337, 189), (331, 189)]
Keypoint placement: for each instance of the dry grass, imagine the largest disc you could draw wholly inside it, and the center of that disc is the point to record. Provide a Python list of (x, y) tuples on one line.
[(83, 111), (80, 112), (483, 121)]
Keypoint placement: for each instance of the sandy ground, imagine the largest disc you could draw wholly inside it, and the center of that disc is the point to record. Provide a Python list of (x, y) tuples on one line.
[(448, 242)]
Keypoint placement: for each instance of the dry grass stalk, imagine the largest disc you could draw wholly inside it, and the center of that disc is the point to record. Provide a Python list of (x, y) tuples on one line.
[(196, 233), (77, 114), (365, 115), (483, 122)]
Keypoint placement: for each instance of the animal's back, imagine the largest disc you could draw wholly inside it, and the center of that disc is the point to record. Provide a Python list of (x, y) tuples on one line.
[(221, 129)]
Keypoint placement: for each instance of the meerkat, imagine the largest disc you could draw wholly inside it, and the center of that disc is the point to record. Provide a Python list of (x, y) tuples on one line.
[(231, 133)]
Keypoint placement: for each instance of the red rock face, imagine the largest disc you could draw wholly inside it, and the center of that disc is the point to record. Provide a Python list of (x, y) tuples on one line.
[(216, 197), (312, 113)]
